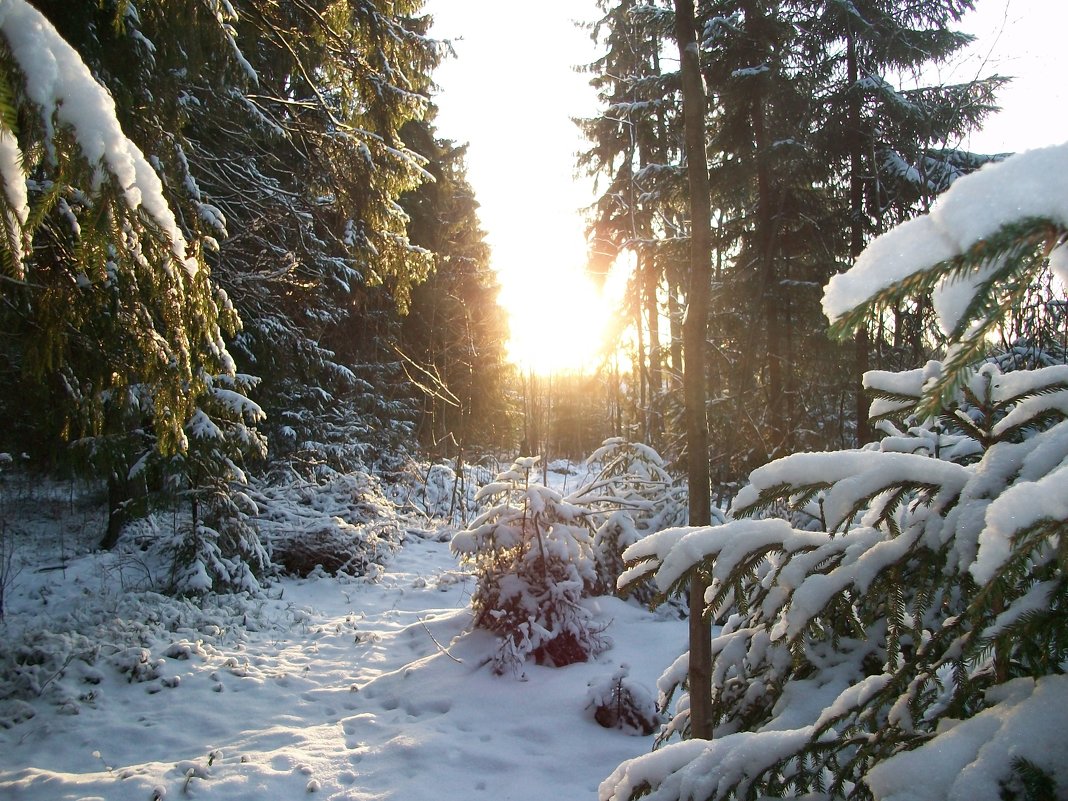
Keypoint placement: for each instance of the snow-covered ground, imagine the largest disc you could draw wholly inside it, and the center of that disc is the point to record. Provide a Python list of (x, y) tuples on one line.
[(346, 688)]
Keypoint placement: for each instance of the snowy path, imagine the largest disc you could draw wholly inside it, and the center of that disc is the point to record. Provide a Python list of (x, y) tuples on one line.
[(344, 691)]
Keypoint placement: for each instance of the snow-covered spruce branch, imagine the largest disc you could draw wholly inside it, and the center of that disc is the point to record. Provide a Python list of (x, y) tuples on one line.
[(979, 249), (66, 97), (110, 200), (925, 619)]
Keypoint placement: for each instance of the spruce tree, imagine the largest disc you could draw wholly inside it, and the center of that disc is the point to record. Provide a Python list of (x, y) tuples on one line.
[(309, 183), (117, 326), (532, 553), (814, 147), (265, 142), (903, 632), (894, 144)]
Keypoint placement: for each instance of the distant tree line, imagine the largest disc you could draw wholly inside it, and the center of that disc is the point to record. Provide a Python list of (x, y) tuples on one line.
[(818, 136)]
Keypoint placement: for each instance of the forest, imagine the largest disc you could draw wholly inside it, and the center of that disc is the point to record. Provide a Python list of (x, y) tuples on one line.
[(256, 378)]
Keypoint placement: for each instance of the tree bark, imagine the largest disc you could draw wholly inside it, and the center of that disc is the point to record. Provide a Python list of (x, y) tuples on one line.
[(118, 513), (656, 382), (641, 369), (674, 296), (861, 341), (773, 301), (695, 332)]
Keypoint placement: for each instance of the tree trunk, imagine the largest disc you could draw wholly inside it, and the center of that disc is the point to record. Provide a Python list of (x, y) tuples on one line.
[(861, 342), (774, 302), (674, 293), (641, 370), (118, 512), (695, 332), (656, 382)]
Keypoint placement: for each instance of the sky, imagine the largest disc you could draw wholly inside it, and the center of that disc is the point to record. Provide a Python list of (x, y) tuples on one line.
[(1024, 40), (512, 93)]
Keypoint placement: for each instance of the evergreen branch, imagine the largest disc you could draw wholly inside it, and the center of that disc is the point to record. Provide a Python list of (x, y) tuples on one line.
[(797, 495)]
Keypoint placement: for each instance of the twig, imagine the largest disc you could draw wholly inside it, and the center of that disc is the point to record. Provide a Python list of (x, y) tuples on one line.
[(56, 675), (441, 647)]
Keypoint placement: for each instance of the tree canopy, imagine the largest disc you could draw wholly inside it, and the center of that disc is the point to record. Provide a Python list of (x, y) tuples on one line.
[(210, 242)]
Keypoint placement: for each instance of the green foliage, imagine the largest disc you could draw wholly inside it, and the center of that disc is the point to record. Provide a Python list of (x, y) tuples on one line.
[(878, 617), (537, 554), (268, 151), (1030, 783), (115, 323), (1010, 262), (114, 295)]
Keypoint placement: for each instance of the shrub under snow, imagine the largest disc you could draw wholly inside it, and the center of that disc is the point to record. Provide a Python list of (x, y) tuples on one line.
[(618, 702), (634, 496), (532, 552)]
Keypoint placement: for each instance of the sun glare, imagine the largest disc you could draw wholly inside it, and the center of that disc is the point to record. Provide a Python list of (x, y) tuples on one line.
[(558, 322)]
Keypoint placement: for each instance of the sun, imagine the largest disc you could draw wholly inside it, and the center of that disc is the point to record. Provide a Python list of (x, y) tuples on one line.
[(558, 319)]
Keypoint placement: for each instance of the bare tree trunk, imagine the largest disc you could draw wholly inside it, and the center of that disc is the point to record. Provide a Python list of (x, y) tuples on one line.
[(118, 514), (861, 342), (773, 301), (675, 324), (695, 332), (656, 381), (617, 401), (641, 369)]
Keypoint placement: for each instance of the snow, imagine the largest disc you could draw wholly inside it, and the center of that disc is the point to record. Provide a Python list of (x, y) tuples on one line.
[(749, 72), (976, 206), (951, 298), (698, 768), (16, 209), (14, 180), (1058, 262), (856, 475), (853, 697), (225, 14), (969, 760), (1017, 509), (729, 544), (369, 688), (1037, 598), (888, 260)]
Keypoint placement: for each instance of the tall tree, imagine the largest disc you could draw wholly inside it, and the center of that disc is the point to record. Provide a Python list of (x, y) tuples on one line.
[(797, 140), (322, 256), (695, 331), (115, 325), (897, 151), (258, 141), (794, 198), (908, 638)]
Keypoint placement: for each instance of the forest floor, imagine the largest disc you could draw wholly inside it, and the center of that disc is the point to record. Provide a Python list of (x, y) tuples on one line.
[(349, 688)]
